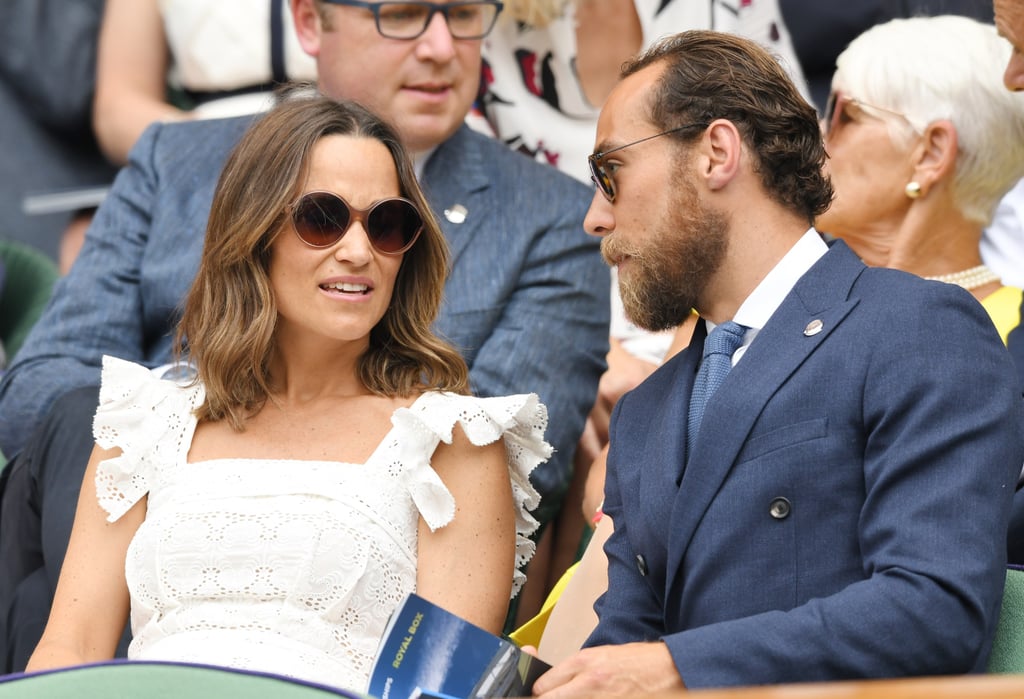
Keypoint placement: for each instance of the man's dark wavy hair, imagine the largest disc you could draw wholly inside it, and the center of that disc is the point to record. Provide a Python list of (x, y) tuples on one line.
[(712, 75)]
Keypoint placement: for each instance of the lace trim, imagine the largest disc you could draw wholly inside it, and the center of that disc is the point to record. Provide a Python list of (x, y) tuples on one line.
[(152, 420), (149, 420), (520, 419)]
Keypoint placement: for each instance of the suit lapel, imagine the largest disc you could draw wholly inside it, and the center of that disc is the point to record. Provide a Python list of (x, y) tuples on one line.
[(821, 296), (457, 176)]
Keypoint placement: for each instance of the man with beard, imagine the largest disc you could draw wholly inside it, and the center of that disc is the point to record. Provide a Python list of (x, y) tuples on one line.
[(837, 508)]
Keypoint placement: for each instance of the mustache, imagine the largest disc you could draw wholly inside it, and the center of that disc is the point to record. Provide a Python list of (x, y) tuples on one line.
[(614, 251)]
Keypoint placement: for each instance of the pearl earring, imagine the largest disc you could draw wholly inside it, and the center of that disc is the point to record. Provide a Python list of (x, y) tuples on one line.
[(912, 190)]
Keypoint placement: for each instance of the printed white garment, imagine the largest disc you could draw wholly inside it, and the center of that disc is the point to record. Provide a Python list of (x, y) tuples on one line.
[(225, 46), (531, 96), (285, 566)]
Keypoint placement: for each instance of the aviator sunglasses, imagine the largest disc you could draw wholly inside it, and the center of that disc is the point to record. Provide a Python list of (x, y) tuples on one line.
[(601, 174), (392, 225)]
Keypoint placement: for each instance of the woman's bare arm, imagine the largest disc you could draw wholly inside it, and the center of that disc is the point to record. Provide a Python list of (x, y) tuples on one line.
[(91, 604), (467, 566), (131, 76)]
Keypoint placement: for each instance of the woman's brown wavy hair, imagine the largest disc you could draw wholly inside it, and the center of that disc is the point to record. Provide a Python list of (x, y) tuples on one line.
[(230, 313)]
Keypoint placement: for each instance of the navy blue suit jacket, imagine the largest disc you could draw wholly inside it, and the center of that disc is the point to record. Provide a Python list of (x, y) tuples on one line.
[(844, 509)]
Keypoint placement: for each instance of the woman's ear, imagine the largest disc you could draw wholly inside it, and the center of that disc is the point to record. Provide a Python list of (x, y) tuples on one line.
[(935, 155)]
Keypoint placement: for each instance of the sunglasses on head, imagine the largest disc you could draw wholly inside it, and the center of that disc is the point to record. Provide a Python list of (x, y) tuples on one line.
[(321, 219)]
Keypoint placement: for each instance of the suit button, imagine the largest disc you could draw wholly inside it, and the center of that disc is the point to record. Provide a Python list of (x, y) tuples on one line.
[(641, 564), (780, 508)]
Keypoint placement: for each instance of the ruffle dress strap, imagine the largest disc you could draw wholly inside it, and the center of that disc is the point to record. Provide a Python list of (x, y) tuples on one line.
[(147, 419), (520, 419)]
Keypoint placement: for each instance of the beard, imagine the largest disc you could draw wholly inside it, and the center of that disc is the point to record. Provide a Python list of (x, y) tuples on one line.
[(667, 273)]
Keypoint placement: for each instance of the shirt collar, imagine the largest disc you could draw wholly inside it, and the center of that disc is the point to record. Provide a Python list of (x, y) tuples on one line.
[(767, 296), (419, 161)]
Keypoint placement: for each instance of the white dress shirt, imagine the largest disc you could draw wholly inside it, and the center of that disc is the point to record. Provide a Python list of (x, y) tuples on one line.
[(767, 296)]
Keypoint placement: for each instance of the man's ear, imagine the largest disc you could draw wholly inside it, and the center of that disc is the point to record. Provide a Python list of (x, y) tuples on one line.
[(722, 148), (306, 16), (935, 155)]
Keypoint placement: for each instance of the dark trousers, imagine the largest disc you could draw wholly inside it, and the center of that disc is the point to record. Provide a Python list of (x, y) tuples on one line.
[(38, 497)]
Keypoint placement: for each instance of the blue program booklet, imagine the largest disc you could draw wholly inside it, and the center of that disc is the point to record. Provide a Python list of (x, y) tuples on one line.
[(428, 652)]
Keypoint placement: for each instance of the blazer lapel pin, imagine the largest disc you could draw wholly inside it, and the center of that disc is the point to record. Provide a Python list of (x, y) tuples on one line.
[(456, 214), (813, 328)]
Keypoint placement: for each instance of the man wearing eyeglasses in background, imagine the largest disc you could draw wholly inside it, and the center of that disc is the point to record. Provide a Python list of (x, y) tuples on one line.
[(817, 487), (527, 300)]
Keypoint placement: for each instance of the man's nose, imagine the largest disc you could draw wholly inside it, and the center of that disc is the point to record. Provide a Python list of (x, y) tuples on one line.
[(600, 219), (438, 37)]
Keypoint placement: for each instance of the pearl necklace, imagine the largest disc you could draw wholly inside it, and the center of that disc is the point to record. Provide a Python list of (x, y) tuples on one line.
[(969, 278)]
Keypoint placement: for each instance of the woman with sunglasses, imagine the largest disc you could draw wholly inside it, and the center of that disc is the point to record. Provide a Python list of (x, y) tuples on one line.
[(326, 459), (924, 141)]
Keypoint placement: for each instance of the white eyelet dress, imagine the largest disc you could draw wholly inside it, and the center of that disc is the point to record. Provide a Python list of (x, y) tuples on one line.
[(285, 566)]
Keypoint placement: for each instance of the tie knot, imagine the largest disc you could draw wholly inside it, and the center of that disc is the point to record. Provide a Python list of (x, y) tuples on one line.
[(724, 339)]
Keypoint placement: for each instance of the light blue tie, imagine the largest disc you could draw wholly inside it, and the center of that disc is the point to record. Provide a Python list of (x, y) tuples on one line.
[(718, 349)]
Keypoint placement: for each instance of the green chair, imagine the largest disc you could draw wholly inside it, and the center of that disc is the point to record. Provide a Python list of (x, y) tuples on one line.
[(153, 680), (1008, 646), (28, 280)]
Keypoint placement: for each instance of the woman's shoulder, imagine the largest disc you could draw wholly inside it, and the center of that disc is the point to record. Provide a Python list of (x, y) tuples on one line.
[(137, 407), (123, 381), (146, 418), (483, 419), (518, 420)]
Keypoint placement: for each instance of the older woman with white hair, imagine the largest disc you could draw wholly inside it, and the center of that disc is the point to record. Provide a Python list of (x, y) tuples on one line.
[(924, 141)]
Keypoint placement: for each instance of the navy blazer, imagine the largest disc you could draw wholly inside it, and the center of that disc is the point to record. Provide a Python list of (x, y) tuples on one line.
[(844, 510), (526, 303)]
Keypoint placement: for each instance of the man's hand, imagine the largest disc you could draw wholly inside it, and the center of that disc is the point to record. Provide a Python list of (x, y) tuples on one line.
[(630, 669)]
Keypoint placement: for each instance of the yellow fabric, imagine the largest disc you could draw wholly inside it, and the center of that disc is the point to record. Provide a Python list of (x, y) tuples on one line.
[(1003, 307), (529, 633)]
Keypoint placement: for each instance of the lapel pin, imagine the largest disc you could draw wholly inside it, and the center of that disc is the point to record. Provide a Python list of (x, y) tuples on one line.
[(456, 214), (813, 328)]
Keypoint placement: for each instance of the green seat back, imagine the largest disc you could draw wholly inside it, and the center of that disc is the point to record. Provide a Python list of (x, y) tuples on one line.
[(152, 680), (29, 276), (1008, 647)]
